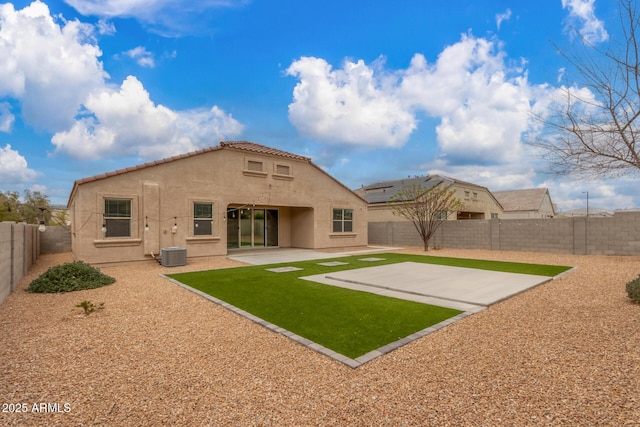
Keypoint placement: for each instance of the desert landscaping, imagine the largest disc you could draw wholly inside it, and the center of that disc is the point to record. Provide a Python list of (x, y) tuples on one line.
[(564, 353)]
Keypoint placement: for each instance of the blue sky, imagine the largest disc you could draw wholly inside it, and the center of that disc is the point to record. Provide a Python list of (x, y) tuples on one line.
[(370, 90)]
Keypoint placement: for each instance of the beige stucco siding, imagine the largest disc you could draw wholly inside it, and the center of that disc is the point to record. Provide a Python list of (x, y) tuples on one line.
[(163, 195)]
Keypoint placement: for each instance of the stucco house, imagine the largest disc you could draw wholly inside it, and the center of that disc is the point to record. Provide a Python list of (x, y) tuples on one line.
[(228, 197), (478, 202), (528, 203)]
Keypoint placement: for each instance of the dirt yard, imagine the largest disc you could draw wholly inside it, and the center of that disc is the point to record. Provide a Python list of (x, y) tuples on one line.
[(564, 353)]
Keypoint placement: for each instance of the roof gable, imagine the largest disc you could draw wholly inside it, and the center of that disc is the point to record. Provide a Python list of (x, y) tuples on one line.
[(247, 146), (521, 200)]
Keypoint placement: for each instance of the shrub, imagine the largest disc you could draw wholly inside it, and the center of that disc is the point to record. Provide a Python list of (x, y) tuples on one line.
[(633, 289), (90, 307), (68, 277)]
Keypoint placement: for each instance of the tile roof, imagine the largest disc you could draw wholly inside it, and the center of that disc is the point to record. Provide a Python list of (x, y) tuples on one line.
[(257, 148), (521, 200)]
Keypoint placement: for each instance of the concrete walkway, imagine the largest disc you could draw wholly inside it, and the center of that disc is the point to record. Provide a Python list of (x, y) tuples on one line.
[(281, 255)]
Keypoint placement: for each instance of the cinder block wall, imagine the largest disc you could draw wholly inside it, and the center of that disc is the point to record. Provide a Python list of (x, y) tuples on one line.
[(55, 239), (6, 273), (616, 235), (19, 249)]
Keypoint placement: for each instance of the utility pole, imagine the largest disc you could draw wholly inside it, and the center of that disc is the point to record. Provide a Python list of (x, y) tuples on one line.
[(586, 221)]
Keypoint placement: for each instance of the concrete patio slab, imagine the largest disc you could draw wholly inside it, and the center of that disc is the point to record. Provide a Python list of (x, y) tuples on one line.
[(283, 269), (458, 285), (281, 255)]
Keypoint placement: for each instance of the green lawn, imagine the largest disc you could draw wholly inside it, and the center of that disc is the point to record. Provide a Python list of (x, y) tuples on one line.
[(349, 322)]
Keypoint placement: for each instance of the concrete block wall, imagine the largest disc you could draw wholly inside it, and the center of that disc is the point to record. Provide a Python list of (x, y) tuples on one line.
[(19, 249), (474, 234), (617, 235), (6, 273), (55, 239)]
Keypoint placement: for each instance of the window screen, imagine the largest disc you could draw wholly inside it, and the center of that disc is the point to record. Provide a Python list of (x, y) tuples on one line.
[(117, 217), (202, 219)]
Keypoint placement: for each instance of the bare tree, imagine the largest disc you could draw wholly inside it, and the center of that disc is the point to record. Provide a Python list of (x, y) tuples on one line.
[(426, 208), (596, 131)]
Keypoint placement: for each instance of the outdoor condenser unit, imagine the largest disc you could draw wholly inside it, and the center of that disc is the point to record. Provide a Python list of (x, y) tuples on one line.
[(173, 257)]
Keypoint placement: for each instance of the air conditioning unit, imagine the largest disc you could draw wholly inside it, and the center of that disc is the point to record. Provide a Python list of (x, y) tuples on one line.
[(173, 257)]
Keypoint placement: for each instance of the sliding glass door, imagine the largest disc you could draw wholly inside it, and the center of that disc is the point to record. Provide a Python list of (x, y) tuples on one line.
[(252, 228)]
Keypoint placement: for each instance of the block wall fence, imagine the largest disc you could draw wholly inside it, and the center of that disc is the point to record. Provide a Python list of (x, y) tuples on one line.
[(20, 247), (616, 235), (21, 244)]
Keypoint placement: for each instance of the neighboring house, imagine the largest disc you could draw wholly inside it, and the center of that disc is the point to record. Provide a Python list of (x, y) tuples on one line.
[(232, 196), (478, 202), (529, 203), (593, 212)]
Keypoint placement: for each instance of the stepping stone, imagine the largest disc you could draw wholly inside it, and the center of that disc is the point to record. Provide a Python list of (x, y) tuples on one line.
[(283, 269), (372, 259), (332, 263)]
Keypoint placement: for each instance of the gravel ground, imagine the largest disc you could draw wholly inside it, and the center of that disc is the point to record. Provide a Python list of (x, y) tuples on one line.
[(564, 353)]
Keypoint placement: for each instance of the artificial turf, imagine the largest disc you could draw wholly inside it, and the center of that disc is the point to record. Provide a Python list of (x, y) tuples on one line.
[(349, 322)]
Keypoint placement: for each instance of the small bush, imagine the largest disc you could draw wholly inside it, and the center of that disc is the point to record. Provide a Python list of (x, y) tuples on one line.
[(633, 289), (90, 307), (72, 276)]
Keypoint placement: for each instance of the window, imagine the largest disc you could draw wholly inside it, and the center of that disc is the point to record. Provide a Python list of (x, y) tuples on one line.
[(117, 217), (441, 215), (494, 215), (202, 219), (342, 220), (475, 196), (253, 165), (283, 170), (466, 195)]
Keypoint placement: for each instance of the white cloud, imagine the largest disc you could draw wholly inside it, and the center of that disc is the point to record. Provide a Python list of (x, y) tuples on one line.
[(106, 28), (142, 56), (144, 9), (482, 103), (6, 117), (14, 168), (506, 177), (501, 17), (582, 18), (52, 69), (49, 67), (347, 105), (611, 194), (126, 122), (167, 17)]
